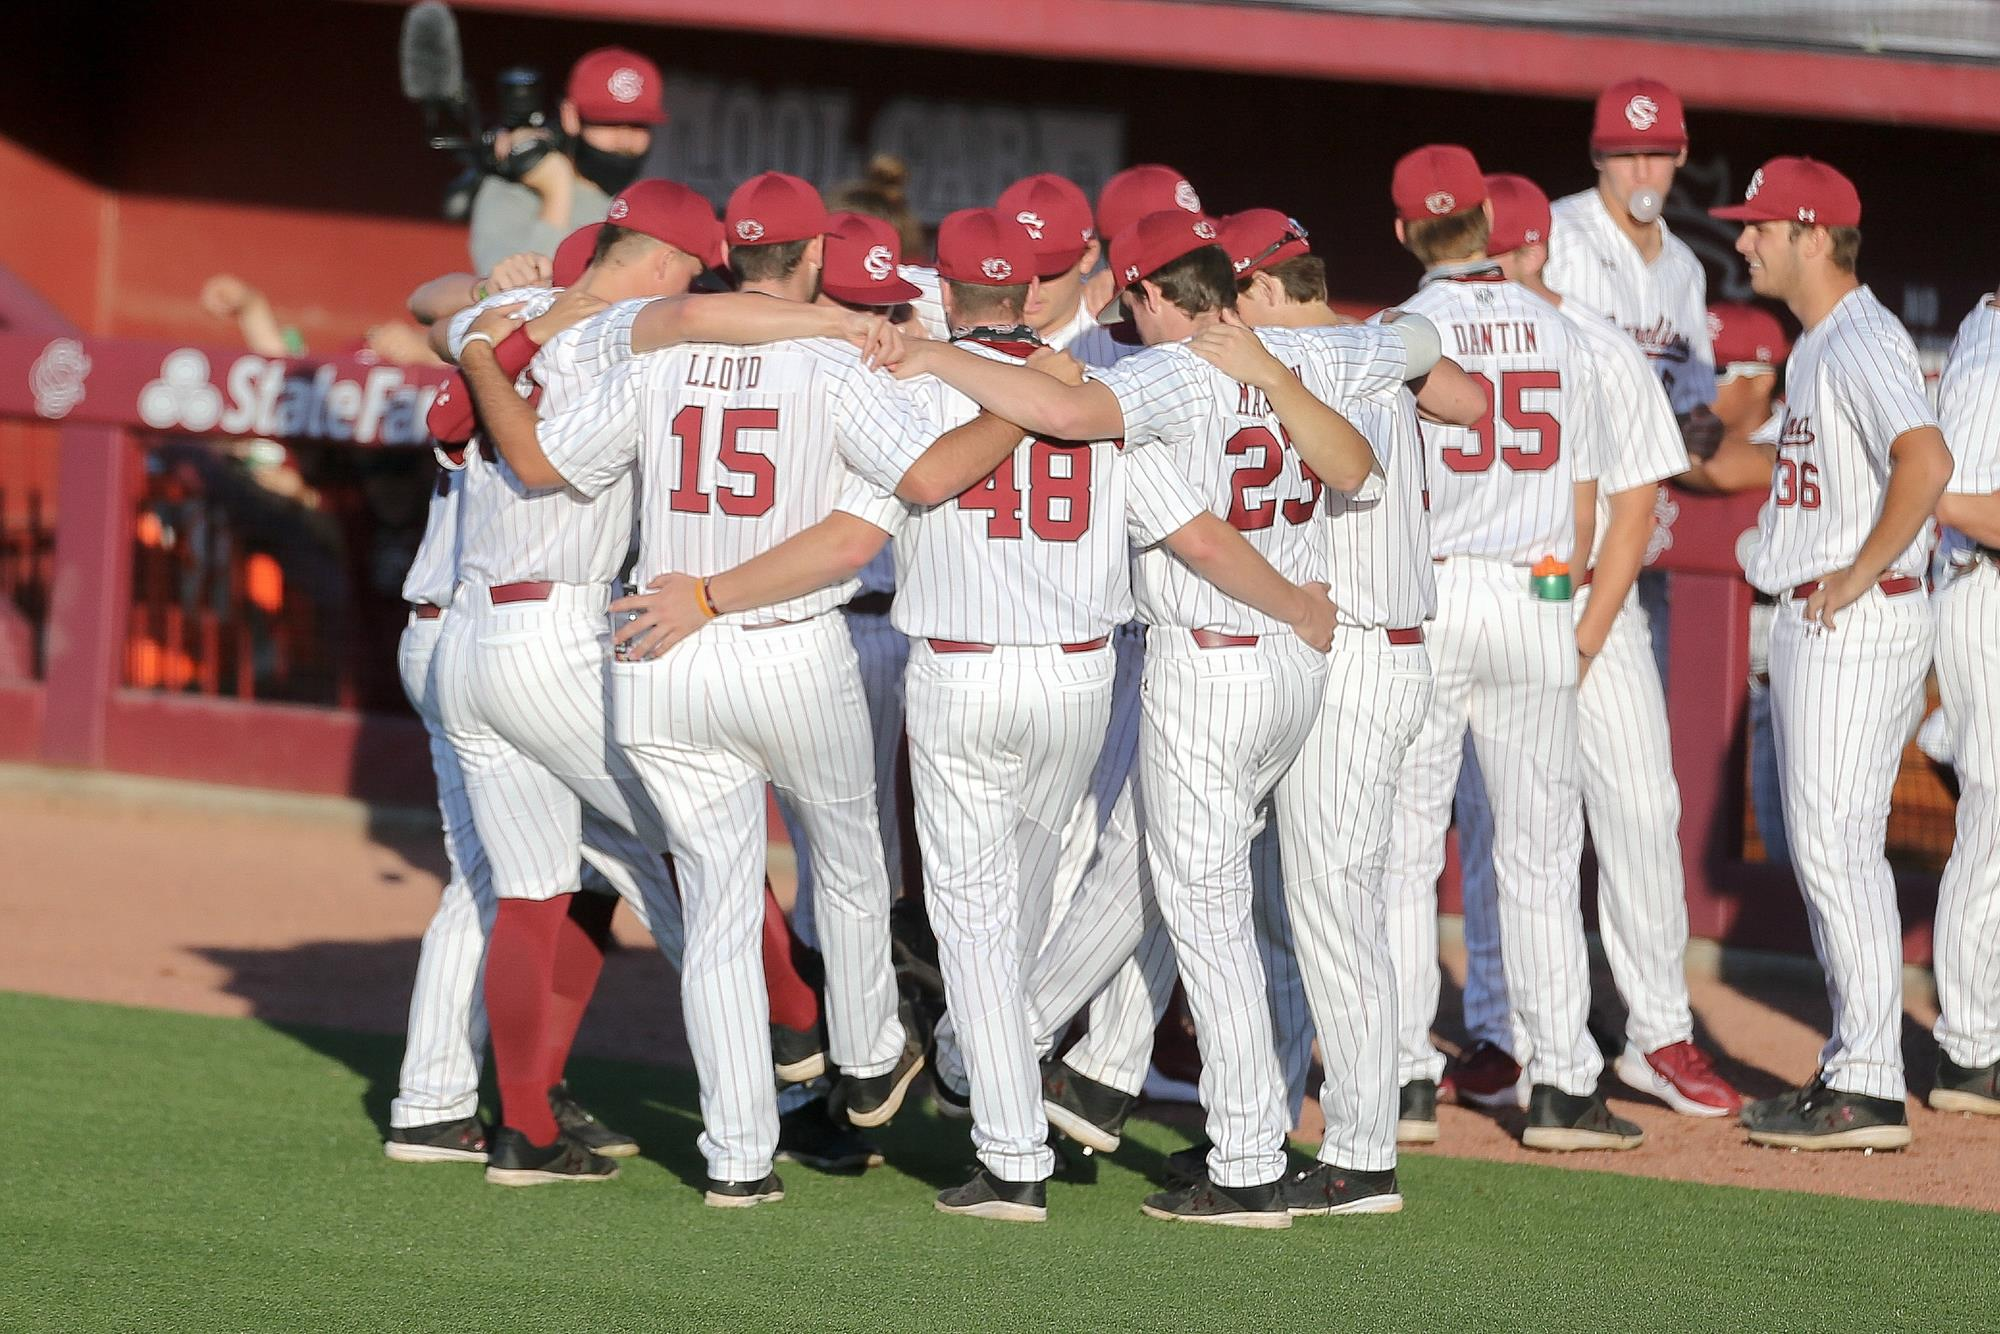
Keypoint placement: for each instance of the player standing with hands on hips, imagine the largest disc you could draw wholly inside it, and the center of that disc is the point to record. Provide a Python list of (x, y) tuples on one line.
[(1842, 546)]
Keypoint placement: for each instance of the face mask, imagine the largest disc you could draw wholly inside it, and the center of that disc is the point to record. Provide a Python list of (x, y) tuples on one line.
[(609, 172)]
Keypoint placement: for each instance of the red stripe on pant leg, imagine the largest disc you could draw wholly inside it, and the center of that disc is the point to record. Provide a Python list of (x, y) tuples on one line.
[(582, 938), (520, 963), (793, 1001)]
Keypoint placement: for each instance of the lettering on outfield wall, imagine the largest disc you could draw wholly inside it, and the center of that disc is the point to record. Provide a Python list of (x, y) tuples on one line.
[(960, 154), (262, 396)]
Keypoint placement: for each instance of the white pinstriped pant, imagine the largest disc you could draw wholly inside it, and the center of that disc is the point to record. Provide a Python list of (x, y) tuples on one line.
[(882, 651), (1633, 804), (447, 1033), (1221, 727), (1334, 809), (705, 726), (1505, 666), (1968, 913), (1843, 704), (1001, 747)]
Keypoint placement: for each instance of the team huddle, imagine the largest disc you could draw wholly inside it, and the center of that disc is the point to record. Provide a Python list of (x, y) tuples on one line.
[(1200, 606)]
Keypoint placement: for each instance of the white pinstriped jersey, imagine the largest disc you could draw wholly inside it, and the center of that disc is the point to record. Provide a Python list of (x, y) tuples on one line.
[(434, 569), (1969, 412), (1182, 415), (1378, 540), (1642, 441), (926, 305), (1504, 489), (1663, 305), (1852, 386), (740, 448), (1038, 553), (509, 532)]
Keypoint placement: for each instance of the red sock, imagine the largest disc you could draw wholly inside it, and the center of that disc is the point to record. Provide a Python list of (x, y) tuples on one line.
[(581, 940), (520, 958), (793, 1002)]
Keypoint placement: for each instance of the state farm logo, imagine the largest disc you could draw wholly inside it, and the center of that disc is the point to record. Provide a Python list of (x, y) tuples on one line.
[(182, 396), (1185, 196), (749, 230), (1032, 221), (1440, 202), (1756, 184), (999, 270), (1205, 230), (56, 378), (879, 263), (1642, 112), (625, 84), (272, 397)]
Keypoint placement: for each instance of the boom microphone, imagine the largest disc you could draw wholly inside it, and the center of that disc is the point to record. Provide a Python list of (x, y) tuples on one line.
[(433, 69)]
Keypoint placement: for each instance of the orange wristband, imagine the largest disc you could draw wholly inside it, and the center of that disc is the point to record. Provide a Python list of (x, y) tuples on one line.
[(703, 601)]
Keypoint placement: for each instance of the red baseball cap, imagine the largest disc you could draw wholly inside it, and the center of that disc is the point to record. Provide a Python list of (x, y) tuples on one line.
[(1436, 181), (1057, 217), (1639, 116), (1796, 189), (1520, 213), (1257, 238), (862, 253), (1137, 191), (669, 211), (774, 208), (1152, 243), (1746, 333), (572, 257), (613, 86), (984, 246)]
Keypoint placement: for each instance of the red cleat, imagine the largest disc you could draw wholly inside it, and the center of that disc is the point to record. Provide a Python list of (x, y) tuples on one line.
[(1485, 1075), (1682, 1077)]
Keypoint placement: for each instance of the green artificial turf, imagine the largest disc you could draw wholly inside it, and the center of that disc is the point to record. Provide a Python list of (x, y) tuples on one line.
[(173, 1172)]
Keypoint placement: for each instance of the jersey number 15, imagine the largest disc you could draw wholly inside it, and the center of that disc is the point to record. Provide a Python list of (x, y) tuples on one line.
[(758, 470)]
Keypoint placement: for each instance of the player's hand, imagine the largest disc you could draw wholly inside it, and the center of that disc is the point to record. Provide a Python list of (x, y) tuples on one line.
[(662, 617), (526, 269), (1061, 365), (555, 172), (1315, 625), (1701, 432), (497, 322), (574, 306), (1836, 592), (1237, 353), (911, 357), (225, 296), (881, 342)]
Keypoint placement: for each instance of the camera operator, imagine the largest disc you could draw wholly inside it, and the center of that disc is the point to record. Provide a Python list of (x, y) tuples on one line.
[(562, 182)]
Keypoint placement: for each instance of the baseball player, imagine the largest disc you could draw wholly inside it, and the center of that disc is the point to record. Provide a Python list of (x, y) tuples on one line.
[(1842, 546), (1213, 663), (1511, 505), (1630, 795), (772, 696), (520, 682), (1968, 667)]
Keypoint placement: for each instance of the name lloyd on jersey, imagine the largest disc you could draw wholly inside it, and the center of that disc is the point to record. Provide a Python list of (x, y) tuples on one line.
[(715, 370), (1497, 337), (274, 398)]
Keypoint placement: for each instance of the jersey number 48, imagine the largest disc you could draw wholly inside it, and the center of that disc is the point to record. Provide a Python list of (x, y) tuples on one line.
[(1058, 500)]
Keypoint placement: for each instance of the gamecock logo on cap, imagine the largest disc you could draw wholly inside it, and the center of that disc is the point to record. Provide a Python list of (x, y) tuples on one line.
[(1032, 221), (1185, 196), (749, 230), (619, 208), (879, 263), (1441, 202), (625, 84), (1205, 230), (999, 270), (1532, 236), (1642, 112)]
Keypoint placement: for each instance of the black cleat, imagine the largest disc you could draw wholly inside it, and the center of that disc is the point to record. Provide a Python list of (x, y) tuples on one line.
[(1565, 1123), (1091, 1113), (1817, 1117), (439, 1142), (1325, 1189), (808, 1136), (1235, 1206), (514, 1161), (744, 1194), (873, 1100), (797, 1055), (586, 1129), (1958, 1089), (1186, 1166), (1417, 1114), (987, 1196)]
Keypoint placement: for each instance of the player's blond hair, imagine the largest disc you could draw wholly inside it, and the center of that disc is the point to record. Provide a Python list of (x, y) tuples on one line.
[(1846, 244), (1455, 236), (767, 263), (977, 300)]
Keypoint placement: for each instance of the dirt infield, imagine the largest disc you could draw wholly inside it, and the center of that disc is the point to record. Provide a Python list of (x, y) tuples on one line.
[(308, 911)]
